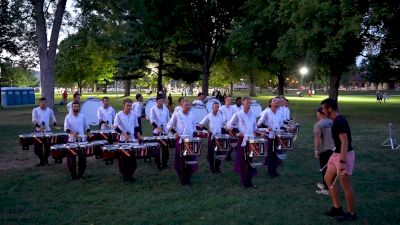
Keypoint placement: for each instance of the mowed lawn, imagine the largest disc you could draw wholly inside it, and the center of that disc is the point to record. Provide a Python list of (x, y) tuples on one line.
[(45, 195)]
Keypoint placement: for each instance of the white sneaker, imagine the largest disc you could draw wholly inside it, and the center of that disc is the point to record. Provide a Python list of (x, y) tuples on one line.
[(321, 186), (322, 192)]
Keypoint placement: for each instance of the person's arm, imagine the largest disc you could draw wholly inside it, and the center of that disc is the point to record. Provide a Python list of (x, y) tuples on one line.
[(344, 143), (53, 118), (34, 119), (231, 122), (205, 120), (317, 141)]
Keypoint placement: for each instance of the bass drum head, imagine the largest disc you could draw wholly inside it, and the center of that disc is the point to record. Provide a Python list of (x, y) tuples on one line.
[(150, 103), (89, 109), (210, 103), (255, 107), (198, 112)]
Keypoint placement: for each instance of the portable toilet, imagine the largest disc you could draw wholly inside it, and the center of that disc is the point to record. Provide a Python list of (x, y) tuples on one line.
[(24, 96), (17, 96), (7, 96)]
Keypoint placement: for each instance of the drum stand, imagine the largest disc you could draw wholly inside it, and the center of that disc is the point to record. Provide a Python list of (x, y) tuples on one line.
[(391, 141)]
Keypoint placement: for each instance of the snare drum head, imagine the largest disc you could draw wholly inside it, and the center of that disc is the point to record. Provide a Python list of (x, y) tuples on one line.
[(210, 103), (152, 144), (198, 112), (192, 139), (256, 140), (58, 147), (284, 135), (89, 109), (26, 135), (255, 107), (221, 136), (99, 142), (110, 147)]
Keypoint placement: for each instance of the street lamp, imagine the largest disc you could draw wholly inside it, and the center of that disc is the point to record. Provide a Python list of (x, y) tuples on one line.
[(303, 71)]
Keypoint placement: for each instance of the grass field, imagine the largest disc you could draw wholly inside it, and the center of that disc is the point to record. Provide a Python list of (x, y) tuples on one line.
[(45, 195)]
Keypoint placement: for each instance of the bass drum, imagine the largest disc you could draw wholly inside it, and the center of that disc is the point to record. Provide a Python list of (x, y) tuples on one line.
[(89, 109), (256, 108), (198, 112), (149, 104), (210, 103)]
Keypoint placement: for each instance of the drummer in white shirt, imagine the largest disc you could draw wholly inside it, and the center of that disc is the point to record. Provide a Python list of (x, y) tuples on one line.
[(182, 124), (238, 104), (76, 97), (246, 121), (159, 116), (273, 121), (137, 108), (214, 121), (105, 114), (199, 100), (227, 111), (75, 124), (181, 102), (126, 124), (41, 119)]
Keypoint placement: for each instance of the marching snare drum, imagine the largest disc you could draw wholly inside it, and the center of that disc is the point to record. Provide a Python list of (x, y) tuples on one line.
[(109, 135), (62, 138), (191, 146), (140, 150), (200, 134), (163, 140), (50, 138), (97, 148), (153, 148), (283, 141), (80, 148), (171, 141), (221, 142), (58, 152), (256, 147), (25, 140), (109, 153), (41, 137), (149, 139), (256, 151)]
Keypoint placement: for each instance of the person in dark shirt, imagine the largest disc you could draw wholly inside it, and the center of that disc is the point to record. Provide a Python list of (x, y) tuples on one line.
[(341, 162)]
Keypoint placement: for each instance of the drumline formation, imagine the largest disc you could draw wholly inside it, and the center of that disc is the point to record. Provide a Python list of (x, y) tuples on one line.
[(226, 128)]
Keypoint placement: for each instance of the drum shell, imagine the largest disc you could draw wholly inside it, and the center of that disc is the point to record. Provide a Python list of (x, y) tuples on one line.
[(80, 148), (171, 141), (140, 151), (97, 147), (153, 148), (256, 147), (110, 152), (26, 139), (58, 151), (191, 146), (62, 138), (200, 134), (222, 142), (283, 141)]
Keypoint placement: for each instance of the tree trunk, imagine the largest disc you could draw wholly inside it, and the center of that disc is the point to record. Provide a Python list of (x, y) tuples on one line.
[(206, 75), (94, 87), (47, 54), (127, 87), (252, 87), (160, 67), (336, 75), (281, 84), (231, 88)]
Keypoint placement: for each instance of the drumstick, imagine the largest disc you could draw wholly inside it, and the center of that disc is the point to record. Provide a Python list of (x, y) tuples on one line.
[(125, 153), (72, 152), (334, 181), (323, 168)]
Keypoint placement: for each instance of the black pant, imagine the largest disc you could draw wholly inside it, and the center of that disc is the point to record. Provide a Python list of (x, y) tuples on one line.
[(127, 166), (323, 160), (272, 159), (71, 163), (42, 151)]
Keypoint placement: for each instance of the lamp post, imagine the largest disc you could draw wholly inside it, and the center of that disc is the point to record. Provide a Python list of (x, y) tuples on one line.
[(303, 71)]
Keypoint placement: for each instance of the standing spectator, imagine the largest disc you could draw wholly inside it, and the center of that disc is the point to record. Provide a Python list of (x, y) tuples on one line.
[(64, 97), (385, 97), (170, 105)]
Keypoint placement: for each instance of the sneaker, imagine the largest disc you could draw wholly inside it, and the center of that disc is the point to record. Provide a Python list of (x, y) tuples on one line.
[(335, 212), (347, 217), (322, 192), (321, 186)]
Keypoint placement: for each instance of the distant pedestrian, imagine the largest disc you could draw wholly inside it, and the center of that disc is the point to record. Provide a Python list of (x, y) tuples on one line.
[(385, 97)]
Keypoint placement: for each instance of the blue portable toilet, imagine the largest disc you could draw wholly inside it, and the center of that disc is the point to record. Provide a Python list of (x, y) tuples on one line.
[(17, 96), (24, 97), (8, 96), (31, 96)]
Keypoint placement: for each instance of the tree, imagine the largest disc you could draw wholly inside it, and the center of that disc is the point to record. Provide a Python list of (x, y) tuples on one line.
[(19, 76), (47, 49), (328, 32), (207, 24), (17, 35)]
